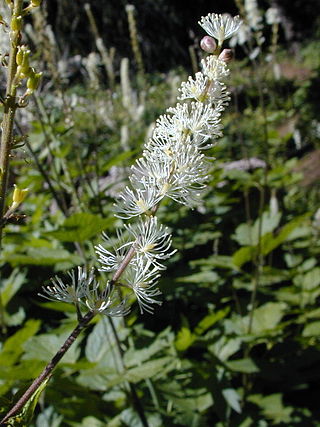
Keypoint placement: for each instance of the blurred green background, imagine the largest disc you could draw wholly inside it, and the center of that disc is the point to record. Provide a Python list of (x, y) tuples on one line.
[(236, 341)]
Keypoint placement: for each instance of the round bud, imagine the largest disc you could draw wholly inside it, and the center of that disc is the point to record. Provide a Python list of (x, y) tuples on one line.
[(226, 55), (208, 44)]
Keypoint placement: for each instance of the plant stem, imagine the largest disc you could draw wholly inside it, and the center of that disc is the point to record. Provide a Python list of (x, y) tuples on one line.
[(49, 368), (9, 112)]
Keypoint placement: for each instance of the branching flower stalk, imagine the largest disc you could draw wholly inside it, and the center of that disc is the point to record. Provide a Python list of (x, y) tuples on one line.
[(173, 164)]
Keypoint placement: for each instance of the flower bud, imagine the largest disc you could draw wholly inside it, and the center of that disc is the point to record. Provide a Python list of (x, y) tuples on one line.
[(16, 23), (33, 81), (226, 55), (22, 57), (35, 3), (19, 57), (18, 196), (208, 44)]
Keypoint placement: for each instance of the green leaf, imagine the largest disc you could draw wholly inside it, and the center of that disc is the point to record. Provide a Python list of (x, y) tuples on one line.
[(267, 317), (21, 371), (13, 347), (10, 286), (90, 421), (243, 255), (130, 418), (136, 357), (220, 261), (225, 347), (312, 330), (289, 231), (272, 407), (232, 398), (248, 235), (246, 366), (24, 417), (201, 277), (210, 320), (81, 227), (185, 339), (158, 367), (43, 256), (311, 280), (63, 307), (43, 347), (101, 343), (243, 235)]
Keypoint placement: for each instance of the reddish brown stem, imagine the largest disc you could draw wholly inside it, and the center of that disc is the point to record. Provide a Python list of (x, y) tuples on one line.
[(49, 368)]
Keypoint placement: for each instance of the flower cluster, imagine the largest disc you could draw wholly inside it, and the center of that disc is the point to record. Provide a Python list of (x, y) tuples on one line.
[(174, 165), (83, 290), (142, 247)]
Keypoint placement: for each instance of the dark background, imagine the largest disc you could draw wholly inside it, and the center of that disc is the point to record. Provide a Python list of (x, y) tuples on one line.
[(166, 27)]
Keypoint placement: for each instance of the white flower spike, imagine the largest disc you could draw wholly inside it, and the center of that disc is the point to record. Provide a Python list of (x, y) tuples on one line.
[(172, 165)]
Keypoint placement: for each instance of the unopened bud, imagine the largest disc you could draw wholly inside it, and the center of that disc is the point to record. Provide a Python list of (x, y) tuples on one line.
[(16, 23), (226, 55), (33, 81), (35, 3), (22, 56), (18, 196), (208, 44), (19, 57)]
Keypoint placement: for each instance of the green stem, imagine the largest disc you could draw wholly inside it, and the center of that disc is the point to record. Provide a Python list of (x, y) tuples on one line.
[(9, 112)]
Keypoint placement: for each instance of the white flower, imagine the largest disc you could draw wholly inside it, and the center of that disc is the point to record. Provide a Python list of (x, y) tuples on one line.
[(195, 88), (252, 13), (143, 283), (201, 121), (273, 16), (179, 172), (153, 171), (152, 240), (137, 201), (106, 302), (84, 289), (221, 27), (69, 292), (214, 68), (111, 261)]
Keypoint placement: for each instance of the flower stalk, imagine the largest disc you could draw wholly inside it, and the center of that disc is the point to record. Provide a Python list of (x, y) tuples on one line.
[(18, 69), (10, 106), (47, 371)]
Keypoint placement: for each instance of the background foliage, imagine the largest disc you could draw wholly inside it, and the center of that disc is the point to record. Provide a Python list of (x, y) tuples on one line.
[(236, 342)]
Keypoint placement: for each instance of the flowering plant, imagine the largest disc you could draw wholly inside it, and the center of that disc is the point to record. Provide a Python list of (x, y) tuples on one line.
[(173, 164)]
